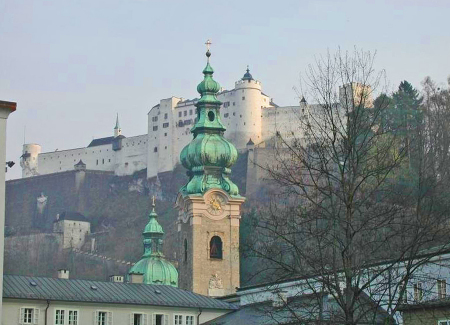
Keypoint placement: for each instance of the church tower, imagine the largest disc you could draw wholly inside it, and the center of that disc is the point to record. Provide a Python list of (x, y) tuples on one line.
[(117, 129), (209, 204)]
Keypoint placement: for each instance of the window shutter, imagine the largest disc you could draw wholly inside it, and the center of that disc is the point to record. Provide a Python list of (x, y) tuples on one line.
[(166, 319), (36, 316), (145, 319), (21, 315), (95, 317), (110, 318)]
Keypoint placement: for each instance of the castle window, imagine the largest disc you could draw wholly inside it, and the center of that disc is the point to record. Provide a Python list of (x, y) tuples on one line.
[(187, 122), (185, 113), (155, 128), (225, 115), (155, 149), (165, 125), (215, 247), (244, 123), (179, 114), (243, 97), (165, 134), (185, 250), (97, 161), (234, 103), (165, 147), (109, 160), (190, 112), (234, 114), (126, 164), (165, 116)]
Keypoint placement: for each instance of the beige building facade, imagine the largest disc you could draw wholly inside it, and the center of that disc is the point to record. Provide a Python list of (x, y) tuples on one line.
[(41, 301)]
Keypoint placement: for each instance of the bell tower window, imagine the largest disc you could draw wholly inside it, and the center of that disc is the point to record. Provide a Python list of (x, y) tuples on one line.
[(215, 247)]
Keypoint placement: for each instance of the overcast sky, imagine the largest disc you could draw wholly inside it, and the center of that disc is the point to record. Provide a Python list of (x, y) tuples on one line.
[(71, 65)]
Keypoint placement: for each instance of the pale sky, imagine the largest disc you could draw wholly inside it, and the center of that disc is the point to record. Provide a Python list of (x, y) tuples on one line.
[(71, 65)]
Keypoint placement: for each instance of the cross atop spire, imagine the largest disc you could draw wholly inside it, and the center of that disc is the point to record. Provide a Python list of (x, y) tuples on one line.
[(208, 45)]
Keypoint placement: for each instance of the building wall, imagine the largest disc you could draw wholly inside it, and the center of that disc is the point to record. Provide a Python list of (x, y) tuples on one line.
[(95, 158), (132, 157), (74, 232), (121, 313), (426, 316)]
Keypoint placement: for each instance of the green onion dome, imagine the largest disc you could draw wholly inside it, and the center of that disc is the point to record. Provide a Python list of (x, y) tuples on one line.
[(208, 85), (209, 150), (209, 156), (154, 267), (156, 271)]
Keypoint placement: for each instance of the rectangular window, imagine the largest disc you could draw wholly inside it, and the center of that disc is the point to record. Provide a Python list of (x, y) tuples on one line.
[(138, 319), (179, 114), (97, 161), (243, 97), (165, 125), (155, 128), (166, 116), (189, 320), (103, 318), (418, 292), (73, 317), (187, 122), (225, 115), (178, 320), (442, 288), (185, 113), (402, 290), (59, 317), (190, 112), (27, 315), (155, 118), (159, 319)]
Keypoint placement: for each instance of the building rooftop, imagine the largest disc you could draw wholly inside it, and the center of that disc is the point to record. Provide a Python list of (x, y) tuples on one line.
[(101, 141), (24, 287), (74, 216)]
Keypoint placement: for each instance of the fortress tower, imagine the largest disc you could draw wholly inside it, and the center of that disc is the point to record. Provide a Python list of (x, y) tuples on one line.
[(29, 159), (209, 204), (246, 118)]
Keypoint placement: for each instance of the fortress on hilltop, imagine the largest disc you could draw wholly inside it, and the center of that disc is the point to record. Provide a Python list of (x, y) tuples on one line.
[(248, 114)]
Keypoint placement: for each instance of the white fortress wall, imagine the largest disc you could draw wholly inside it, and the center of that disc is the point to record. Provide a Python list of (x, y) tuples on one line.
[(95, 158), (132, 157)]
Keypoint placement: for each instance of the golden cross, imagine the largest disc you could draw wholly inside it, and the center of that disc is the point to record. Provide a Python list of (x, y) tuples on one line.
[(208, 44)]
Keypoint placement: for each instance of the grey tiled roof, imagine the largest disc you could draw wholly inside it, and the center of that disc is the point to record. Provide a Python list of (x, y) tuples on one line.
[(101, 141), (74, 216), (16, 286)]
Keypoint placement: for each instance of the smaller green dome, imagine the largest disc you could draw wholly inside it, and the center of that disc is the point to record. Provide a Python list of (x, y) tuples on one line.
[(156, 270), (154, 267)]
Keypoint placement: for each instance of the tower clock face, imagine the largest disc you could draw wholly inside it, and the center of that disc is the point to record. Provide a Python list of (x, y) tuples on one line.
[(216, 204)]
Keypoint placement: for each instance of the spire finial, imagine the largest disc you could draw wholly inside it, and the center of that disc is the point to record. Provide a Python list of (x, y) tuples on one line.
[(208, 45), (153, 201), (248, 69), (117, 121)]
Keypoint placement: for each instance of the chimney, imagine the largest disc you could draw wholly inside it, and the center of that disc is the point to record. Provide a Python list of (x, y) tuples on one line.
[(136, 278), (63, 274), (116, 278)]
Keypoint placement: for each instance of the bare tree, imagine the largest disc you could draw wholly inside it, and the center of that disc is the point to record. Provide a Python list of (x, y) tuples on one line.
[(349, 217)]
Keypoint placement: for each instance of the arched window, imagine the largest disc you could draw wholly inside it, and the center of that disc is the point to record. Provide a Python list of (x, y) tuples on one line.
[(215, 247), (185, 250)]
